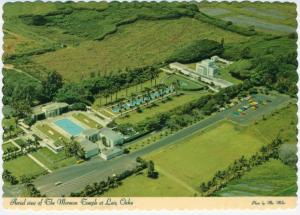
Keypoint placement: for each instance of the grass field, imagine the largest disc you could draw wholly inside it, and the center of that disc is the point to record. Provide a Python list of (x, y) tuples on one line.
[(282, 122), (51, 160), (141, 185), (86, 120), (135, 117), (23, 165), (184, 83), (75, 63), (270, 179), (196, 159), (50, 132), (225, 75)]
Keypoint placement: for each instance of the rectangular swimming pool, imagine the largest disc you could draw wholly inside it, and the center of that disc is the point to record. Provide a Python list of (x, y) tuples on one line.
[(69, 126)]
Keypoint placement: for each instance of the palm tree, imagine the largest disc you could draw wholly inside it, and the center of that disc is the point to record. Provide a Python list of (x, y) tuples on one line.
[(106, 95), (117, 88), (203, 188), (36, 142), (10, 130), (176, 86)]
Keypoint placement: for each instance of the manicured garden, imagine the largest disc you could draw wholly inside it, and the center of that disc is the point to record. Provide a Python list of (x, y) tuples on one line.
[(23, 165), (50, 132), (51, 160), (86, 120), (270, 179), (184, 83), (125, 93), (160, 107)]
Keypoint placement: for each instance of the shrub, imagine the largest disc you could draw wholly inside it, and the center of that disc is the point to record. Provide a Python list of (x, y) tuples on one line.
[(196, 51), (78, 106), (288, 154)]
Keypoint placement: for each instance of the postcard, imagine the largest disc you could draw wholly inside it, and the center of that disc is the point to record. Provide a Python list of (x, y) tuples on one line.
[(149, 105)]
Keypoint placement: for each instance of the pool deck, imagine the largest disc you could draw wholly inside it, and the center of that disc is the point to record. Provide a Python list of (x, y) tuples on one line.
[(51, 122)]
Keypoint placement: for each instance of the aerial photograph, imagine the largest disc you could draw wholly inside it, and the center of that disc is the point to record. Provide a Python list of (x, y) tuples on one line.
[(149, 99)]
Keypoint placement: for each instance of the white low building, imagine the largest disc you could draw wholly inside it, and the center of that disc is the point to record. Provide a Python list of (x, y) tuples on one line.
[(110, 138), (90, 149), (109, 153)]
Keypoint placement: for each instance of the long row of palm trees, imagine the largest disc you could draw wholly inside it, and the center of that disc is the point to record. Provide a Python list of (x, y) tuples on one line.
[(137, 82), (239, 167)]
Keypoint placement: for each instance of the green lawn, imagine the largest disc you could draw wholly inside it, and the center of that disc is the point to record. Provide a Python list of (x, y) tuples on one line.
[(23, 165), (50, 132), (135, 117), (142, 186), (282, 122), (184, 83), (136, 47), (196, 159), (20, 141), (51, 160), (86, 120), (270, 179), (106, 113), (7, 145), (225, 75)]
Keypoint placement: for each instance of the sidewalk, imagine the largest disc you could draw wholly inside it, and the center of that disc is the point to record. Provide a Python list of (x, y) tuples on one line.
[(39, 163)]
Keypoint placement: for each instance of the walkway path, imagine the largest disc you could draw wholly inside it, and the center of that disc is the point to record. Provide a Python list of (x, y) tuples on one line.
[(39, 163), (172, 177), (11, 67)]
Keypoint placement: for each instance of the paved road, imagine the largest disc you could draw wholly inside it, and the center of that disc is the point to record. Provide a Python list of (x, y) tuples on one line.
[(76, 177)]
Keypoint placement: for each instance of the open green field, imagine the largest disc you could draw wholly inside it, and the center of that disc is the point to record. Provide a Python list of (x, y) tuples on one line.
[(270, 179), (75, 63), (282, 122), (184, 83), (51, 160), (136, 89), (142, 186), (196, 159), (86, 120), (192, 161), (23, 165), (50, 132), (135, 117)]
